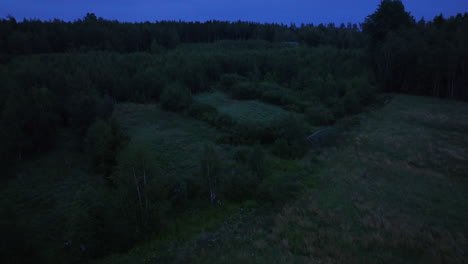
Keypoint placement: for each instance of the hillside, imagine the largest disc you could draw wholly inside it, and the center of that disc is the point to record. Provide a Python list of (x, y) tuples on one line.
[(394, 192)]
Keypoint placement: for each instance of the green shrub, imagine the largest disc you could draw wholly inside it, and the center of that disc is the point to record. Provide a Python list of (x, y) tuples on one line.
[(279, 189), (29, 121), (224, 121), (156, 48), (228, 80), (210, 114), (290, 136), (141, 190), (16, 245), (253, 132), (241, 154), (182, 189), (299, 108), (176, 97), (202, 110), (319, 114), (337, 107), (245, 91), (240, 184), (103, 142), (83, 108), (256, 162), (87, 225), (365, 91), (350, 122), (351, 103), (270, 86), (281, 148), (279, 97), (147, 84), (193, 74), (109, 220)]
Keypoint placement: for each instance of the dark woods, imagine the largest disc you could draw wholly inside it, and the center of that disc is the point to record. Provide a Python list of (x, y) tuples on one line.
[(418, 57), (92, 34), (421, 57)]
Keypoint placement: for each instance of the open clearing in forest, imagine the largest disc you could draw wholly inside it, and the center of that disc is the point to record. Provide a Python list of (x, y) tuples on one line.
[(249, 111)]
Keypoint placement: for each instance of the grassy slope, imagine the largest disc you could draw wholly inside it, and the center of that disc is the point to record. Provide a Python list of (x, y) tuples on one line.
[(395, 193)]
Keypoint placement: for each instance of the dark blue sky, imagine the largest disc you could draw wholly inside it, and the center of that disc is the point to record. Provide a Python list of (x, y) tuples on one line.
[(280, 11)]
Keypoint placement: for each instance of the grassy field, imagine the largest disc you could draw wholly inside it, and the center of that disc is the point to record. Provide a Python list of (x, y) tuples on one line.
[(175, 140), (394, 192), (250, 111)]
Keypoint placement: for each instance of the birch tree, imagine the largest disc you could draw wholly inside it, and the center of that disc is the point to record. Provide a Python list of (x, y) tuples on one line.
[(210, 171)]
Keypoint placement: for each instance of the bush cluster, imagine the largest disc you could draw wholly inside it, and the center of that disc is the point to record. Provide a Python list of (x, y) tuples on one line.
[(176, 97)]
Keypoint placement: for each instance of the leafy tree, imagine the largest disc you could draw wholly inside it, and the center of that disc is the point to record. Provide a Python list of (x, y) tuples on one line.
[(156, 48), (230, 79), (170, 38), (245, 91), (103, 142), (29, 121), (390, 16), (80, 111), (290, 134), (142, 191), (319, 114), (148, 84), (382, 27), (176, 97), (279, 97)]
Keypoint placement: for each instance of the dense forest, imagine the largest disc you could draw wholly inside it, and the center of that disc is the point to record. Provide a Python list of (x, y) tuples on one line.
[(61, 84)]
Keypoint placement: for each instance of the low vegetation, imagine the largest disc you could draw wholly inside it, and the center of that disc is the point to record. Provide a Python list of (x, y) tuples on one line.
[(393, 191)]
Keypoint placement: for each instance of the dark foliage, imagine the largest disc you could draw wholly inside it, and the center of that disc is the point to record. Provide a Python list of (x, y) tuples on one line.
[(103, 142), (92, 33), (245, 91), (29, 122), (176, 97), (290, 134), (319, 114), (421, 58)]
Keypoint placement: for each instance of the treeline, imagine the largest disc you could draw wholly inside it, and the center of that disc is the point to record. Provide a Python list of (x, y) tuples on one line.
[(425, 58), (93, 33)]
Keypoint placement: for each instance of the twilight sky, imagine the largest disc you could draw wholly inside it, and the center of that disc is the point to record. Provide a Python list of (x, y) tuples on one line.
[(280, 11)]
